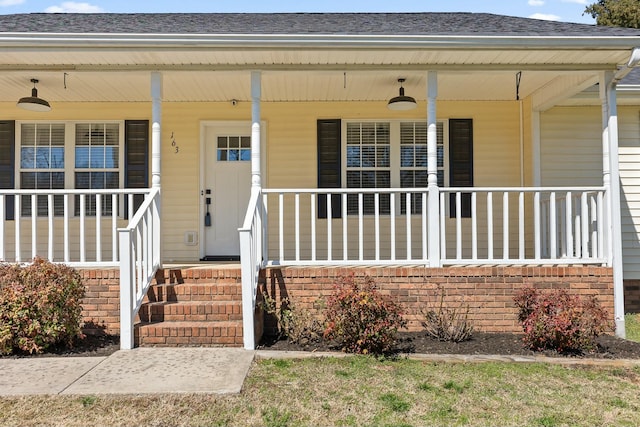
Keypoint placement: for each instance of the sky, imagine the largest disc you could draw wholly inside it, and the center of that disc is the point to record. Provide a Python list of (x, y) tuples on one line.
[(556, 10)]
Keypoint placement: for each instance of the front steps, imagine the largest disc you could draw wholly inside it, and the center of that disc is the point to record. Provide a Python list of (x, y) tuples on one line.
[(193, 306)]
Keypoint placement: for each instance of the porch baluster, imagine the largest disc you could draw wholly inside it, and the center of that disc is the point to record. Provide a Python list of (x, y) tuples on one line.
[(584, 217), (489, 225), (281, 223), (408, 217), (392, 225), (114, 227), (601, 225), (474, 226), (360, 228), (553, 235), (536, 225), (458, 225), (313, 226), (34, 226), (2, 219), (18, 226), (297, 224), (521, 253), (50, 223), (98, 227), (67, 206), (505, 225), (425, 254), (569, 224), (82, 228), (345, 236), (443, 228), (329, 227), (376, 203)]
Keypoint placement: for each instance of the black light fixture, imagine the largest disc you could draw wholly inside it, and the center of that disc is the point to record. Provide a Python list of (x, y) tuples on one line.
[(402, 102), (33, 103)]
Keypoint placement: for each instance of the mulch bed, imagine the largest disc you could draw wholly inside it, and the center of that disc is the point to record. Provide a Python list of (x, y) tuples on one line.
[(609, 347), (89, 346)]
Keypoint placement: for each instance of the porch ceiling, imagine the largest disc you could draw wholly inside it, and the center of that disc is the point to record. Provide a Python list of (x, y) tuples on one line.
[(292, 75)]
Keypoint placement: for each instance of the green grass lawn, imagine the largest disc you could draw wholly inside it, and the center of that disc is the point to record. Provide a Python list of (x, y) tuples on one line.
[(632, 324), (365, 391)]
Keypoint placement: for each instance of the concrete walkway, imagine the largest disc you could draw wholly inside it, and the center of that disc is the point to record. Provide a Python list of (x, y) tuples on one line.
[(188, 370), (138, 371)]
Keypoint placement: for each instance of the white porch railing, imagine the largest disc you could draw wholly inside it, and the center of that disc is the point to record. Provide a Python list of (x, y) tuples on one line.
[(140, 259), (522, 225), (77, 227), (391, 226), (369, 226), (251, 250)]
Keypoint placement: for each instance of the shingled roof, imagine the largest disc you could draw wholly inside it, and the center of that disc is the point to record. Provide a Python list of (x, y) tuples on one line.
[(463, 24)]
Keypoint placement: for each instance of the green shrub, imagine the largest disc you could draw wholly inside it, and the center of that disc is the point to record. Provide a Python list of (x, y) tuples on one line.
[(39, 306), (360, 318), (297, 325), (447, 323), (560, 321)]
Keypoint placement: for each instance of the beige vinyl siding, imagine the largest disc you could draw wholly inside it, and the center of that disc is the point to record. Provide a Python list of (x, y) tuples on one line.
[(629, 134), (571, 146), (572, 155)]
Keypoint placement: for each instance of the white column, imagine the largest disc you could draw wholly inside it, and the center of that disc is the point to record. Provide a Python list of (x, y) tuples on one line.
[(611, 179), (256, 94), (432, 169), (156, 122)]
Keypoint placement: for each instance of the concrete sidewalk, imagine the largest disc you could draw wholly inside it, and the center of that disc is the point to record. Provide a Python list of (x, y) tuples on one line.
[(138, 371)]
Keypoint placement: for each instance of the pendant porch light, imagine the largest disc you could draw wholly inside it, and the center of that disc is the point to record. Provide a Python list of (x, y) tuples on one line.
[(402, 102), (33, 103)]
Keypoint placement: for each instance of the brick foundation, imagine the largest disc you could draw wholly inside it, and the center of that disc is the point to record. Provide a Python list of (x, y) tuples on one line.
[(488, 290), (101, 304)]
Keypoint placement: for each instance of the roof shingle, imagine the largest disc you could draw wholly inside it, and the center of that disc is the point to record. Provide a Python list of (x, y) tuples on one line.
[(463, 24)]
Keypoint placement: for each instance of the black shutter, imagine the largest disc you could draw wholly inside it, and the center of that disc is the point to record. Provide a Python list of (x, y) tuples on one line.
[(461, 163), (136, 158), (7, 162), (329, 173)]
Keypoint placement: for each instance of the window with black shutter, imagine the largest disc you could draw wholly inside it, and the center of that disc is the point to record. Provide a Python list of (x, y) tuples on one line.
[(136, 158), (329, 165), (7, 162), (460, 163)]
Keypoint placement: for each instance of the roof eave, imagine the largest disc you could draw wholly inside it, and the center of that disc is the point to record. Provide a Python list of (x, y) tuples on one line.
[(114, 40)]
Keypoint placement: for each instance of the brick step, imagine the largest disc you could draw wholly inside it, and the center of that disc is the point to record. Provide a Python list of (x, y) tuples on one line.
[(227, 334), (197, 275), (222, 290), (212, 311)]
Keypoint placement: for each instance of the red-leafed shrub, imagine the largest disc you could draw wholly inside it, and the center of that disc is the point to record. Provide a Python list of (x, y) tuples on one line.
[(360, 318), (560, 321), (39, 306)]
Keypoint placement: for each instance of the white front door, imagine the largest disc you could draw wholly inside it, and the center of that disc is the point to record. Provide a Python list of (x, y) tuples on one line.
[(227, 186)]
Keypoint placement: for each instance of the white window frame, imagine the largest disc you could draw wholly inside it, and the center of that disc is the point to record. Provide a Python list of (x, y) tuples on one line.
[(69, 152), (394, 155)]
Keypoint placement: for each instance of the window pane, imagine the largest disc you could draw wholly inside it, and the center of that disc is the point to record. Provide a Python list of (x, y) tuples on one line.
[(111, 180), (28, 180), (245, 155), (57, 180), (43, 180), (383, 133), (27, 158), (43, 135), (353, 156), (222, 155), (82, 180), (406, 156), (82, 157), (440, 156), (42, 158), (421, 178), (222, 142), (57, 134), (28, 134), (111, 157), (353, 179), (96, 157), (82, 134), (421, 156), (97, 180), (353, 133), (57, 158), (368, 157), (406, 179), (233, 155), (382, 157), (112, 134), (245, 142), (368, 179), (234, 142)]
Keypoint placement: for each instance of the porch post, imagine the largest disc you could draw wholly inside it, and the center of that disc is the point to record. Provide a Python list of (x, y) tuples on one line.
[(611, 179), (156, 121), (256, 94), (435, 259)]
